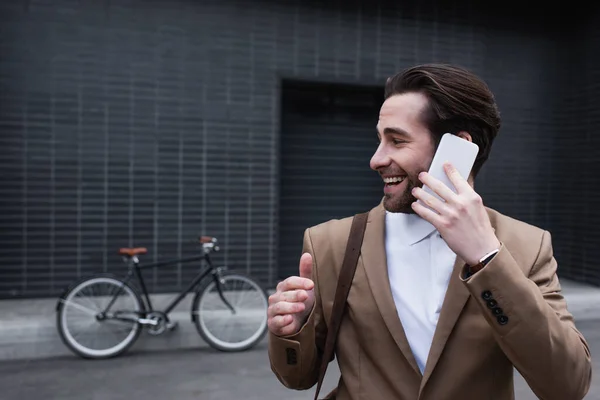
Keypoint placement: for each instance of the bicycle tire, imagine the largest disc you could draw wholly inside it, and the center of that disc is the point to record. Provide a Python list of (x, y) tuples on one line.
[(205, 333), (67, 337)]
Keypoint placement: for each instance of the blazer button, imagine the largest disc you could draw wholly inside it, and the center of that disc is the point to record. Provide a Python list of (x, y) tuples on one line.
[(486, 295), (291, 356), (497, 311), (502, 319), (492, 303)]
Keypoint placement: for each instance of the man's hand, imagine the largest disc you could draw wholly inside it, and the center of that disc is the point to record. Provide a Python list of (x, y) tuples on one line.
[(461, 220), (293, 301)]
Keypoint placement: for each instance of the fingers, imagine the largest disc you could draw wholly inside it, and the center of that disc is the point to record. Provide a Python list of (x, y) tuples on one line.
[(303, 281), (457, 180), (430, 201), (285, 308), (292, 296), (437, 186), (306, 266), (283, 325), (291, 299), (434, 218), (294, 283), (291, 302), (278, 322)]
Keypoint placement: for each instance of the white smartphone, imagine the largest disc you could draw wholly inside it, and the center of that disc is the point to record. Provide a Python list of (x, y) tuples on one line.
[(459, 152)]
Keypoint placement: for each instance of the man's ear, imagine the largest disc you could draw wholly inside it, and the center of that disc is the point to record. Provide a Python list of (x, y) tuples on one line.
[(465, 135)]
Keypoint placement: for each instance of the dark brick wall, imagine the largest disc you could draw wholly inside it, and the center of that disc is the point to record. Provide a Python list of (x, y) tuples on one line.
[(576, 158), (149, 123), (587, 179)]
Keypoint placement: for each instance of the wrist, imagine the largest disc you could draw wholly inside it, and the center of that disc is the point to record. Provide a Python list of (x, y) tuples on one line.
[(484, 253), (471, 269)]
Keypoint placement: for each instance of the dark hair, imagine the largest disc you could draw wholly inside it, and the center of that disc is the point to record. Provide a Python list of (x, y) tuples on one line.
[(458, 101)]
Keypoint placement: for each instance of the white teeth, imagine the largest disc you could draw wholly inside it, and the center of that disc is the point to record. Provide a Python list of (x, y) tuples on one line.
[(395, 179)]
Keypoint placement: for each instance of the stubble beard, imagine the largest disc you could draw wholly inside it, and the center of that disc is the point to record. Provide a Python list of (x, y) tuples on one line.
[(401, 202)]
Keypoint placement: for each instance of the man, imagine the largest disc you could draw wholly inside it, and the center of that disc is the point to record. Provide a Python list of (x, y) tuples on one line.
[(444, 303)]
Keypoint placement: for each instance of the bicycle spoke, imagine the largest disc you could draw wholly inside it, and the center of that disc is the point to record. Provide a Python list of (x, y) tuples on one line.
[(229, 330), (87, 299), (84, 332), (79, 307)]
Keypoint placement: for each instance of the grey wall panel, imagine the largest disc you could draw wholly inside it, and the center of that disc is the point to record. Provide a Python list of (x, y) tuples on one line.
[(149, 123)]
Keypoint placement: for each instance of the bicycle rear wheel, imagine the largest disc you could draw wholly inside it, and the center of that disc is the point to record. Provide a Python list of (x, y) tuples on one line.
[(231, 330), (86, 331)]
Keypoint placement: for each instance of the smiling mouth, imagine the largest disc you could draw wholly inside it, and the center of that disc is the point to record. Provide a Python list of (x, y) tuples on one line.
[(395, 180)]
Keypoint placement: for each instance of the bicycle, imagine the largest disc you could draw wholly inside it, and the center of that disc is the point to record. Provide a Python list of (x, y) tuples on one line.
[(241, 309)]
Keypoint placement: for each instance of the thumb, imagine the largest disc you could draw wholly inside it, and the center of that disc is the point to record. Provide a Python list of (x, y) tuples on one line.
[(306, 266)]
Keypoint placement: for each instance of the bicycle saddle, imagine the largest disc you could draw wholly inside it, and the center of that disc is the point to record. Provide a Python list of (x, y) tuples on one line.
[(132, 251)]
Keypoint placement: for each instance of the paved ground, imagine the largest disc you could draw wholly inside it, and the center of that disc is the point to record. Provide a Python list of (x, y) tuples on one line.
[(28, 327), (200, 374)]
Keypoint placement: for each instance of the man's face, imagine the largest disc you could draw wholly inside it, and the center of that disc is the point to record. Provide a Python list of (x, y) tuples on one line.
[(406, 148)]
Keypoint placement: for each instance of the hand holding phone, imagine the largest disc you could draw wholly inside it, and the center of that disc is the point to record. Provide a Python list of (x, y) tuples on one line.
[(460, 152), (462, 221)]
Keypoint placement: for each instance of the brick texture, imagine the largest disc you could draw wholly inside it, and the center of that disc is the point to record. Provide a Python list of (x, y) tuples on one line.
[(149, 123), (575, 217)]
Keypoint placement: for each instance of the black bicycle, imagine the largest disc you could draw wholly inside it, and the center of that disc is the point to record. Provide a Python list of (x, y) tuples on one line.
[(102, 316)]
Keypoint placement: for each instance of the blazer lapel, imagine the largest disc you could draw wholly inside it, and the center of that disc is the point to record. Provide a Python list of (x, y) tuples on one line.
[(457, 295), (375, 265)]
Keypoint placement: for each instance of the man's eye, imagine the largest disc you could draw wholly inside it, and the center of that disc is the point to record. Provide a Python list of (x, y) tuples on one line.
[(398, 141)]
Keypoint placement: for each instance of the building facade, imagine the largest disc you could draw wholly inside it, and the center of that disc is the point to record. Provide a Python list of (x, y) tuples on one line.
[(130, 123)]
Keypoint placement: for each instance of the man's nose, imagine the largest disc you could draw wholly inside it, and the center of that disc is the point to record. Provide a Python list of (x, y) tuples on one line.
[(380, 159)]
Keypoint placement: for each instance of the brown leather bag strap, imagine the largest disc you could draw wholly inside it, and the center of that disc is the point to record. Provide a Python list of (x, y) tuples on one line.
[(355, 239)]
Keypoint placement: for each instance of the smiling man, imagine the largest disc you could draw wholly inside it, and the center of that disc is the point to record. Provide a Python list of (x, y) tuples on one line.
[(446, 299)]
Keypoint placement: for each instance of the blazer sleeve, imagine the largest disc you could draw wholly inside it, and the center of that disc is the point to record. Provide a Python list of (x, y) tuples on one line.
[(532, 325), (296, 359)]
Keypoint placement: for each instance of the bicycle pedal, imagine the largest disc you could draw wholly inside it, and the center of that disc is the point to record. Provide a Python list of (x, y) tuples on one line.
[(171, 326)]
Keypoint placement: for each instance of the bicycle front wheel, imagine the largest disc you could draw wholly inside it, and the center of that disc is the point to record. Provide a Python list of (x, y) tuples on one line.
[(231, 329), (91, 330)]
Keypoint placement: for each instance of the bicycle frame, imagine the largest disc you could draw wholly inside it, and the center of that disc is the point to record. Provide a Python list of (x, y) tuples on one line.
[(135, 271)]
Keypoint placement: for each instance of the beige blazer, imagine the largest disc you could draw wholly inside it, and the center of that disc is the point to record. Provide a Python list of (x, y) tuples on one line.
[(473, 350)]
